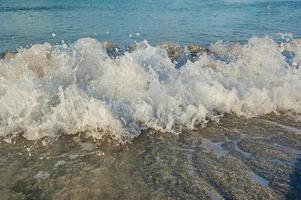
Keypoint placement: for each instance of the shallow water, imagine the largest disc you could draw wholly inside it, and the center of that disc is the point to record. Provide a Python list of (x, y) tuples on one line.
[(24, 22), (88, 119), (91, 120), (159, 165)]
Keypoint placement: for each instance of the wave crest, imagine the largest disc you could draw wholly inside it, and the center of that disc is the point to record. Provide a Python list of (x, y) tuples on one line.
[(48, 90)]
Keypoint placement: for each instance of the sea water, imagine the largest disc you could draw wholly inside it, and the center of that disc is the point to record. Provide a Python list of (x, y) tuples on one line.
[(25, 22), (191, 100)]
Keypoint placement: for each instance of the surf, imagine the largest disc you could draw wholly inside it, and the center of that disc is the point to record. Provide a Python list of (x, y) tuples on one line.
[(106, 92)]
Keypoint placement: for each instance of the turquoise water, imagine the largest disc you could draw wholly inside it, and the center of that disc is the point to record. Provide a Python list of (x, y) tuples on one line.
[(23, 22)]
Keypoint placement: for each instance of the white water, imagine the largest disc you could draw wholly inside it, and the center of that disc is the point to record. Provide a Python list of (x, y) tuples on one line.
[(51, 90)]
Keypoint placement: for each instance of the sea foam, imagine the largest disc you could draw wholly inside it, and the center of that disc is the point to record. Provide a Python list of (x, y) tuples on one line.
[(49, 90)]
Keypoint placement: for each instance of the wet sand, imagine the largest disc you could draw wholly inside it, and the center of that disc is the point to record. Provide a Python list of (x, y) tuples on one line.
[(257, 158)]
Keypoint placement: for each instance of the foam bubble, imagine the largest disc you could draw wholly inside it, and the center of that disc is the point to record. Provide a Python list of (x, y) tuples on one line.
[(48, 90)]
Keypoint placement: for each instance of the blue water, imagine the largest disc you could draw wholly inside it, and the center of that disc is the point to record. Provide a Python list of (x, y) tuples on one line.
[(23, 22)]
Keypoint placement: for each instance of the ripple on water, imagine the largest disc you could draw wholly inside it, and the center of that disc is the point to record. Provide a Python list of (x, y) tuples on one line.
[(42, 175), (259, 180), (215, 148)]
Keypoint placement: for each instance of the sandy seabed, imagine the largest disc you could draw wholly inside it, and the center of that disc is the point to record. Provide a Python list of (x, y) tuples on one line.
[(238, 158)]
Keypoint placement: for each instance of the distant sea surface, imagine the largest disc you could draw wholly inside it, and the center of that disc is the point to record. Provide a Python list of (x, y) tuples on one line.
[(24, 22)]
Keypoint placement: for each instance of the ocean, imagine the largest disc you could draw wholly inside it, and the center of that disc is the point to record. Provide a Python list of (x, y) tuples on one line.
[(150, 99), (25, 22)]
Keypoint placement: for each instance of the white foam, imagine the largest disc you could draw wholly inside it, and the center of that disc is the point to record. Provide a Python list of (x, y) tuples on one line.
[(50, 90)]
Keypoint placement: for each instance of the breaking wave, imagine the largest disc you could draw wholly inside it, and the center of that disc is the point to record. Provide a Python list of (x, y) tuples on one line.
[(95, 88)]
